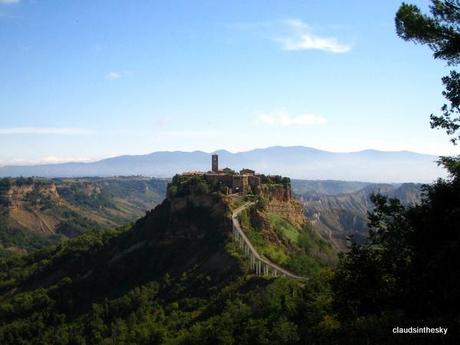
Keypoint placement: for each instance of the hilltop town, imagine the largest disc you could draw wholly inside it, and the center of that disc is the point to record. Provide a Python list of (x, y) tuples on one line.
[(230, 181)]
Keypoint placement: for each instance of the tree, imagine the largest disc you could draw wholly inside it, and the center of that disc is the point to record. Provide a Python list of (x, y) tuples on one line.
[(408, 270), (441, 32), (370, 277)]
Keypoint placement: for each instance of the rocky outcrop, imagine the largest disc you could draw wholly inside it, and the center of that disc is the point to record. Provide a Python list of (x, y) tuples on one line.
[(189, 231), (343, 217), (17, 196), (206, 211), (281, 202)]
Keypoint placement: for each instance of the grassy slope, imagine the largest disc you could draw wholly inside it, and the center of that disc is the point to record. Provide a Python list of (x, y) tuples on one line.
[(299, 249)]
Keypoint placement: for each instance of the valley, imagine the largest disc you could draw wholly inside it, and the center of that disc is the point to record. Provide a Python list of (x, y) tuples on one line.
[(37, 211), (339, 209)]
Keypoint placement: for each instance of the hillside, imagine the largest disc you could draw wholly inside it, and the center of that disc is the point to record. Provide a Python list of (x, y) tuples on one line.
[(278, 229), (39, 211), (296, 161), (340, 214), (174, 277), (326, 187), (36, 211)]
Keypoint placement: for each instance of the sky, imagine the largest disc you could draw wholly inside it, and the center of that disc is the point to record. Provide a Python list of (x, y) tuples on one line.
[(90, 79)]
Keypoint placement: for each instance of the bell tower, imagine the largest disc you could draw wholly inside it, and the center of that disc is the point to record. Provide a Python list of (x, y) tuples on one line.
[(215, 163)]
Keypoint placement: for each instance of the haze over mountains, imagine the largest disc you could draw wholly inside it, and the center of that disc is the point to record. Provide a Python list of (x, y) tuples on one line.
[(295, 161)]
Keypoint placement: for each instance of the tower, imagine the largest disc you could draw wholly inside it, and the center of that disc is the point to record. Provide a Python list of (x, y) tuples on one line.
[(215, 163)]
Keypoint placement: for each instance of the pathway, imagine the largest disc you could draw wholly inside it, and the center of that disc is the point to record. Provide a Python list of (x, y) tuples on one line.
[(259, 265)]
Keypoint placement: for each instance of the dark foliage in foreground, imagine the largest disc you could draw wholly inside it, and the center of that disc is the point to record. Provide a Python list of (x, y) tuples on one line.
[(408, 273)]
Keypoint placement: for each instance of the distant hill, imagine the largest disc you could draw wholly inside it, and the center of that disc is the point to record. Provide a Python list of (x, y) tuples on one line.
[(296, 161), (34, 212), (326, 187), (338, 209)]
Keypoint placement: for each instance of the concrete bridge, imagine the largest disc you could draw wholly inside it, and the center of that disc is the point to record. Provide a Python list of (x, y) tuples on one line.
[(259, 265)]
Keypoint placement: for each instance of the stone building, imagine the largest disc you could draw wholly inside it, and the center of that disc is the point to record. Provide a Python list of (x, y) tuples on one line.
[(243, 182), (247, 172), (215, 163), (240, 184)]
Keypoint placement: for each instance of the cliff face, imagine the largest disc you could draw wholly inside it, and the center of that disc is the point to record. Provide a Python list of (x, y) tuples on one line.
[(278, 229), (188, 232), (23, 207), (18, 195), (344, 216), (281, 202), (190, 216)]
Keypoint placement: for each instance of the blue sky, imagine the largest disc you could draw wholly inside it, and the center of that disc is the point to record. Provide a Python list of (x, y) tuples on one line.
[(82, 80)]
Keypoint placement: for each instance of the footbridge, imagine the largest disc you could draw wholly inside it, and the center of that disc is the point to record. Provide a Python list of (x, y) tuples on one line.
[(260, 265)]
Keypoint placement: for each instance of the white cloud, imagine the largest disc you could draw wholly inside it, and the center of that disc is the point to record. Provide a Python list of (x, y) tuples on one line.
[(6, 2), (113, 75), (300, 37), (282, 118), (52, 159), (45, 130)]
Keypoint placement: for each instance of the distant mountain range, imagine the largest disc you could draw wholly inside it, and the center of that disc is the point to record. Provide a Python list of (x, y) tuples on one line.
[(295, 161)]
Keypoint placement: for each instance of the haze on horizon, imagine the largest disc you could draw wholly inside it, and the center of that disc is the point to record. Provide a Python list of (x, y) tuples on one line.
[(88, 80)]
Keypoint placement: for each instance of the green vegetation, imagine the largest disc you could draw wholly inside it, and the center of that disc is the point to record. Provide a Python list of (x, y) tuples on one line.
[(405, 274), (5, 185), (74, 224), (89, 196), (55, 305), (149, 285), (283, 228), (97, 193), (276, 312), (19, 239), (275, 180), (184, 185), (236, 202), (300, 250), (275, 254)]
